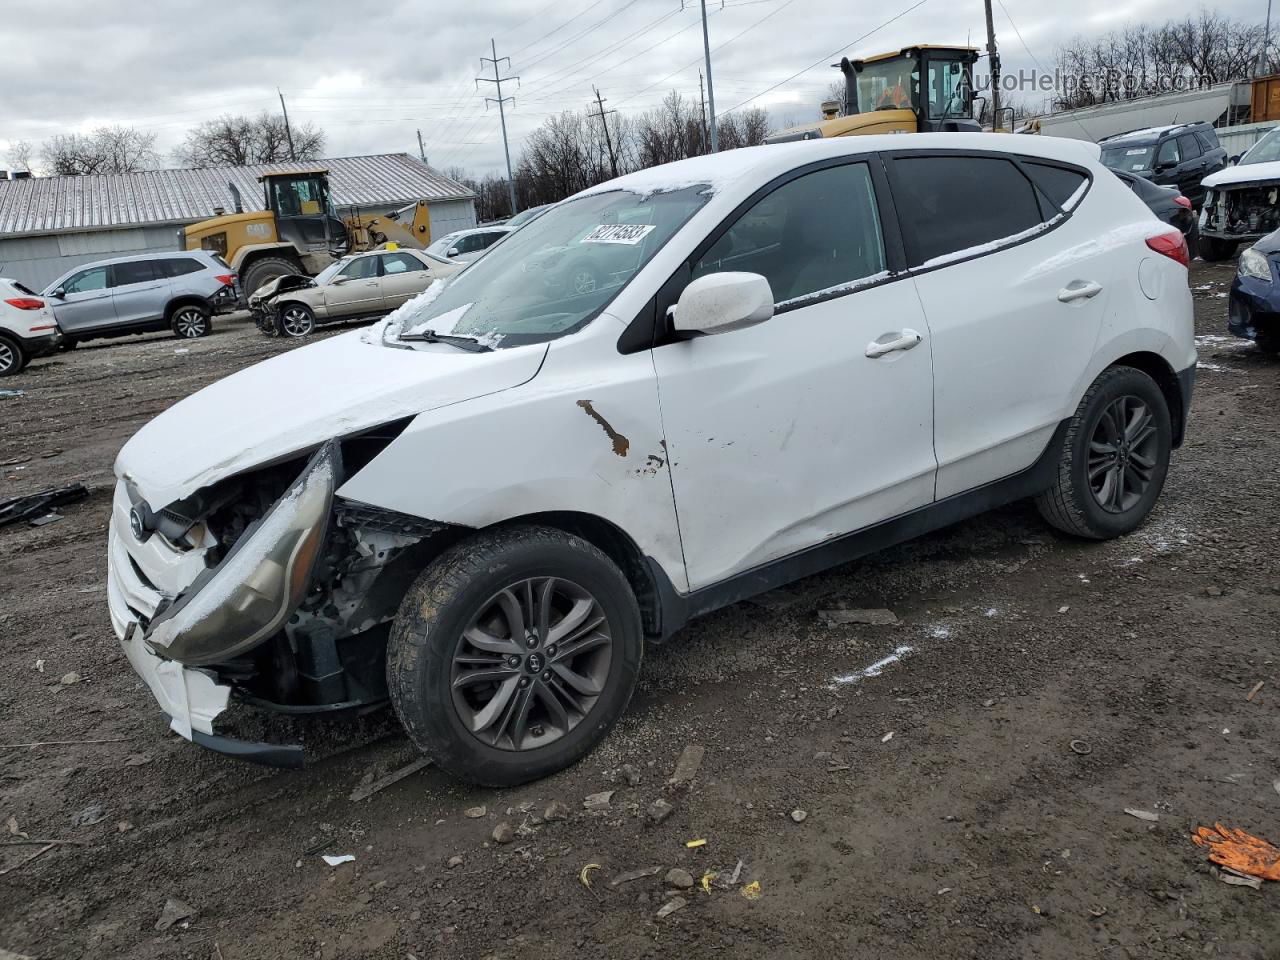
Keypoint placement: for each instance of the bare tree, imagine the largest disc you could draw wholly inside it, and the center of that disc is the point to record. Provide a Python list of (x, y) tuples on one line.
[(237, 141), (105, 150), (20, 155)]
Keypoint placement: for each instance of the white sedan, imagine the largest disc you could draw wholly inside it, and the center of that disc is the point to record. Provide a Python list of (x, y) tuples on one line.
[(464, 246)]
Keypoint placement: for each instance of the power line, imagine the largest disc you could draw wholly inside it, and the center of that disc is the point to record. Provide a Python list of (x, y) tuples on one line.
[(578, 36), (918, 3), (565, 72), (534, 43)]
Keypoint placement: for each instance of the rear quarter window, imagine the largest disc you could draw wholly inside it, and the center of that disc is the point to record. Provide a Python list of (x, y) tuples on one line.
[(1059, 184), (178, 266)]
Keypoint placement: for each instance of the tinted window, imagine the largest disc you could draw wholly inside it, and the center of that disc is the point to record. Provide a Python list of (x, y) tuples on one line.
[(178, 266), (361, 268), (1168, 152), (1208, 141), (1189, 146), (811, 234), (947, 204), (1057, 183), (133, 271), (1128, 157), (401, 263), (94, 279)]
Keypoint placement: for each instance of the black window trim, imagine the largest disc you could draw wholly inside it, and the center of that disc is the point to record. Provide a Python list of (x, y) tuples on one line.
[(650, 330), (1054, 216)]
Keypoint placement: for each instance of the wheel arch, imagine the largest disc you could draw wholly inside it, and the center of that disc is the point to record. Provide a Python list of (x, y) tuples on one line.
[(1159, 370), (186, 300), (614, 542)]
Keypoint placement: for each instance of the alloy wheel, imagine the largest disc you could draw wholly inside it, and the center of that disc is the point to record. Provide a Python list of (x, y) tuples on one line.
[(189, 324), (1123, 453), (296, 321), (532, 663), (8, 358)]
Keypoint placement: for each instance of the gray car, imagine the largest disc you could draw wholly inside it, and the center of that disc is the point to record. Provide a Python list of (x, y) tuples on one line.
[(142, 293)]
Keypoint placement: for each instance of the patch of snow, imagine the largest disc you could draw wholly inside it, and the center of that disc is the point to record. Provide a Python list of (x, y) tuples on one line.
[(940, 631), (875, 669), (1217, 338), (715, 171), (838, 288), (992, 612), (404, 316), (1216, 368)]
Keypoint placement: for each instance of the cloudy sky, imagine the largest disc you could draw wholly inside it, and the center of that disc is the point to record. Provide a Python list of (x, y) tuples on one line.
[(371, 74)]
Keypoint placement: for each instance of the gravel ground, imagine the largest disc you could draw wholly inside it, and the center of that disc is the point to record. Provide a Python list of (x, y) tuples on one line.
[(974, 830)]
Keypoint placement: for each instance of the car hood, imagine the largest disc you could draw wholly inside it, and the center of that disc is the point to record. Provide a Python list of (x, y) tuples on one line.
[(296, 401), (1243, 173), (290, 281)]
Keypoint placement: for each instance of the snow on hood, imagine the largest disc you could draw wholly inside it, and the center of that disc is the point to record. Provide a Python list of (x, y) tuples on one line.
[(297, 400), (1243, 173)]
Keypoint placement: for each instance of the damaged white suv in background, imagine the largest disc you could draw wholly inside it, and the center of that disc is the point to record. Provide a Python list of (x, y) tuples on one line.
[(482, 508)]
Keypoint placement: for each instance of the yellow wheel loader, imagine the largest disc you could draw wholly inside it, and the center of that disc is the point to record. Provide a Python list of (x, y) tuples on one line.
[(299, 231), (918, 89)]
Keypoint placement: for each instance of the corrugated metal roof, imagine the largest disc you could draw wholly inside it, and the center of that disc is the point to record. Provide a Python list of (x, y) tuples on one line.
[(61, 204)]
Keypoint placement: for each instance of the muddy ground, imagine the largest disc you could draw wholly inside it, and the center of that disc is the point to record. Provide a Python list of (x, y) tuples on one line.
[(974, 830)]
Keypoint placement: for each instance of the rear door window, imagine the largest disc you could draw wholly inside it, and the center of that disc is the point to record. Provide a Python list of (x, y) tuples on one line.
[(1189, 146), (948, 205), (809, 237), (393, 263), (132, 271)]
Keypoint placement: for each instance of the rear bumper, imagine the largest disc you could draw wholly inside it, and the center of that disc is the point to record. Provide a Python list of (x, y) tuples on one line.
[(227, 300), (42, 345)]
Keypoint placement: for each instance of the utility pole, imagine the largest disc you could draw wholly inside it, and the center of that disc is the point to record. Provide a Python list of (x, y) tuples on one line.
[(711, 93), (613, 161), (994, 56), (421, 150), (703, 98), (1264, 61), (500, 100), (287, 129)]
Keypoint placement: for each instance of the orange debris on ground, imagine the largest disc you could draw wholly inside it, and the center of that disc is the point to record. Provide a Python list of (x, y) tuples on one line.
[(1239, 851)]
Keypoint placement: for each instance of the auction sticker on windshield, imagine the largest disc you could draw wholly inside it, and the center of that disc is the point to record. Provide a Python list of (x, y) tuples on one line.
[(628, 233)]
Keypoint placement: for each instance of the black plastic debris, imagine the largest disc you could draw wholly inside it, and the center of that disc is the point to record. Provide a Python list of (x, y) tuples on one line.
[(16, 509)]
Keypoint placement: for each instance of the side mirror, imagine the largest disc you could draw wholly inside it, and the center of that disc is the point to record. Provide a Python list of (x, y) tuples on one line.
[(59, 293), (1234, 159), (720, 302), (453, 252)]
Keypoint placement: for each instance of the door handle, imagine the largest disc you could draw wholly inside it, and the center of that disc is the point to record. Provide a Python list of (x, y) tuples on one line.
[(905, 341), (1079, 290)]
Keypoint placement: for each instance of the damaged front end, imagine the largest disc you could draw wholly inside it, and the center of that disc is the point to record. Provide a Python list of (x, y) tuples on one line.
[(267, 586), (1246, 211), (263, 301)]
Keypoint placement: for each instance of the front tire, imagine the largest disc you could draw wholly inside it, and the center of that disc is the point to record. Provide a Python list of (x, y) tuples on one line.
[(513, 654), (190, 321), (12, 357), (297, 320), (1114, 459)]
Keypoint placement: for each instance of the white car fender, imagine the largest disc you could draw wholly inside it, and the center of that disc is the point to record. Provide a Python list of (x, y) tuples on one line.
[(584, 435)]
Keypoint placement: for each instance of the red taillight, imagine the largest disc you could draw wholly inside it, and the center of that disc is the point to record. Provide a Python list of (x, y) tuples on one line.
[(1172, 245), (226, 279), (1182, 201), (26, 303)]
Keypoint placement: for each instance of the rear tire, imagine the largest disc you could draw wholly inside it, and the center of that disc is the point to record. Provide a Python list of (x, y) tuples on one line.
[(12, 357), (550, 685), (190, 321), (1214, 250), (1114, 459), (265, 270)]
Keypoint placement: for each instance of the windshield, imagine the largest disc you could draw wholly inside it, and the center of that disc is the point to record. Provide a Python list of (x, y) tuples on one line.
[(524, 216), (555, 275), (438, 248), (1265, 150), (1132, 159), (329, 272), (889, 84)]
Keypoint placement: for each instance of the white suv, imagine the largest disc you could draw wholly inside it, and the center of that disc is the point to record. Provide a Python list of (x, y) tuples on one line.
[(482, 508)]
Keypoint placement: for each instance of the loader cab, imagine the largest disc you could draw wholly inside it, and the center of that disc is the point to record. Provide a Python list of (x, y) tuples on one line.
[(303, 210), (920, 89), (934, 83)]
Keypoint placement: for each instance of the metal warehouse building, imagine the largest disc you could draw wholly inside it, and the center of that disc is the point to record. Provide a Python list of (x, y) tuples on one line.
[(50, 224)]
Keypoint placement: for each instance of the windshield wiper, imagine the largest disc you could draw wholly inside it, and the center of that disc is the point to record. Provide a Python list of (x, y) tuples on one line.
[(462, 343)]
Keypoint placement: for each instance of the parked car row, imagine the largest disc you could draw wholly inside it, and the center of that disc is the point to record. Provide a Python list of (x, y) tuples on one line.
[(790, 356)]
